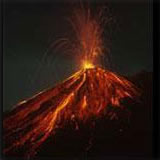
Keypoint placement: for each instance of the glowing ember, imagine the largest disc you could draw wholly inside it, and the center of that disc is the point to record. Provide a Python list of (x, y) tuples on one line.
[(86, 94)]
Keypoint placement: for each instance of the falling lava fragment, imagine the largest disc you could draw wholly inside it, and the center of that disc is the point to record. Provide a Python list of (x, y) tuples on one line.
[(86, 94)]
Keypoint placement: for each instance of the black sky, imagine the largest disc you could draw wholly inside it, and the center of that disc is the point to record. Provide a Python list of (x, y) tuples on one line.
[(30, 27)]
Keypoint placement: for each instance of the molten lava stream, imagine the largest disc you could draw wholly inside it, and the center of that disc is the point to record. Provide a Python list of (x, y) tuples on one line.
[(86, 94)]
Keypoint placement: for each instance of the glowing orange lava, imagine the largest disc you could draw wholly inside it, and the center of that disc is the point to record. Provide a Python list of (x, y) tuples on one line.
[(87, 93), (84, 95), (87, 65)]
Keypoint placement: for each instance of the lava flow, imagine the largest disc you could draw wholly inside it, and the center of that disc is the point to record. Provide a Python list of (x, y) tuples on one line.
[(87, 93)]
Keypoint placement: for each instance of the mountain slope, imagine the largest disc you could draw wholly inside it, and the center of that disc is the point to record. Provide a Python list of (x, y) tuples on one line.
[(88, 94)]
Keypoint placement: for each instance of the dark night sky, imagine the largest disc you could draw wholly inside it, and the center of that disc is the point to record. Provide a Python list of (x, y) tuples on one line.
[(30, 28)]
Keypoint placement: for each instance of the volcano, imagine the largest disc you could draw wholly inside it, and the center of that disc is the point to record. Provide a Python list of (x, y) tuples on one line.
[(89, 93)]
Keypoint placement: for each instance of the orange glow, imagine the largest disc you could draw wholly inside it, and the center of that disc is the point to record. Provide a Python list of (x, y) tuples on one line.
[(84, 104), (87, 65)]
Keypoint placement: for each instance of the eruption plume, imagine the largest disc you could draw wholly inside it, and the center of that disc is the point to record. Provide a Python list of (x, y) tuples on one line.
[(88, 93), (88, 32)]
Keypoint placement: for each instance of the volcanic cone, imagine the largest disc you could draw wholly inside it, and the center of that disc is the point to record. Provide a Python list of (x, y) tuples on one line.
[(86, 94)]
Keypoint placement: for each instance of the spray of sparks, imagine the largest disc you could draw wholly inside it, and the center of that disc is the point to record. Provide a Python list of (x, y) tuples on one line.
[(85, 94)]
